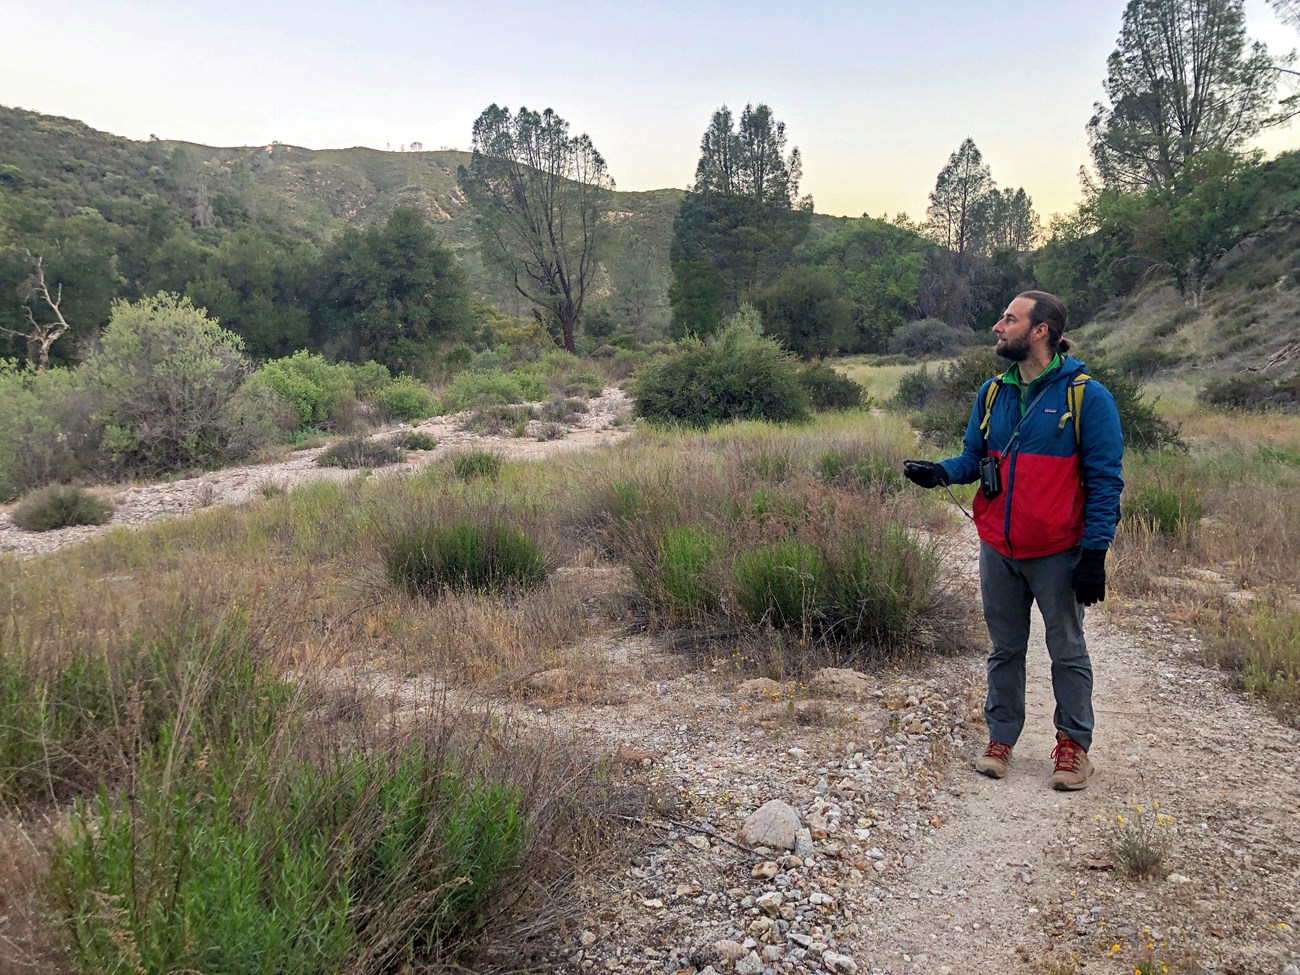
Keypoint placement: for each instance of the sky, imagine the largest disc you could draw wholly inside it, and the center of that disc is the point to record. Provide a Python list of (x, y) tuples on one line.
[(875, 94)]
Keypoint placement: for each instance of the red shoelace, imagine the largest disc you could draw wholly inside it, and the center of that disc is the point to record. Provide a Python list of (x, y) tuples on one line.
[(1066, 754), (998, 750)]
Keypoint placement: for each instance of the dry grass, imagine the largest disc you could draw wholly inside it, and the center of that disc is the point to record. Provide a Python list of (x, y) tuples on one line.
[(1234, 573), (880, 381)]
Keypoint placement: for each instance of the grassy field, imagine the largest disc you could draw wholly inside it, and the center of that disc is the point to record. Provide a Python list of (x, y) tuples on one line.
[(196, 695), (879, 379)]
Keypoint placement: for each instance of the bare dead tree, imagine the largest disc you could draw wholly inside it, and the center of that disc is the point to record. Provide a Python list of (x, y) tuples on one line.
[(40, 336)]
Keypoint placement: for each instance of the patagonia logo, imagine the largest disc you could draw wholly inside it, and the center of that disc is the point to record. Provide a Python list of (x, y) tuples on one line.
[(1051, 409)]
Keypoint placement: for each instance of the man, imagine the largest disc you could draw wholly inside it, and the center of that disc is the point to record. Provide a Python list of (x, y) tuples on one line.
[(1046, 512)]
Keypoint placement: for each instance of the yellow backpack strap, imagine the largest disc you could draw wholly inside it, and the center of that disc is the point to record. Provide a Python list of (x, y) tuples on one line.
[(989, 396), (1074, 404)]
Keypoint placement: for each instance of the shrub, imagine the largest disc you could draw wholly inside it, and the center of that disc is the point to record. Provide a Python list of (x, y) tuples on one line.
[(929, 337), (500, 419), (60, 507), (43, 435), (914, 390), (778, 583), (1173, 512), (475, 388), (357, 453), (245, 870), (71, 724), (1251, 393), (161, 376), (737, 376), (685, 580), (879, 586), (405, 398), (476, 464), (830, 389), (459, 357), (550, 430), (414, 440), (486, 558), (308, 384)]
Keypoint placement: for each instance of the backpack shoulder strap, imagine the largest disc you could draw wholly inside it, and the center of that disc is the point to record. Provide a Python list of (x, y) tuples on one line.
[(990, 395), (1074, 404)]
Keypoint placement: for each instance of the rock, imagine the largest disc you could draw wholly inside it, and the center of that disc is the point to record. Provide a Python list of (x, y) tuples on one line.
[(751, 964), (699, 842), (774, 824), (819, 899), (765, 870), (773, 953), (836, 962), (730, 952), (1178, 878), (1291, 968), (792, 861), (759, 687), (840, 682), (760, 929), (587, 938), (770, 903), (803, 844)]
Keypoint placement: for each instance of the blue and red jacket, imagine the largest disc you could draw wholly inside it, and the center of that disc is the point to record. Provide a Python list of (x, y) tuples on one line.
[(1056, 493)]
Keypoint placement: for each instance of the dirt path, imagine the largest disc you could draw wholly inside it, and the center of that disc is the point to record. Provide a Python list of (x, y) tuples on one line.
[(1010, 877), (606, 421), (920, 865)]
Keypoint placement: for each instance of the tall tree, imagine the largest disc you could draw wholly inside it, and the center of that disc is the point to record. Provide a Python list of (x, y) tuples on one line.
[(1006, 221), (390, 293), (956, 201), (539, 194), (1288, 11), (1183, 79), (740, 222)]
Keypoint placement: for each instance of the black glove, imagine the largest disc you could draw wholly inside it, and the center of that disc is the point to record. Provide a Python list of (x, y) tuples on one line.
[(926, 473), (1090, 576)]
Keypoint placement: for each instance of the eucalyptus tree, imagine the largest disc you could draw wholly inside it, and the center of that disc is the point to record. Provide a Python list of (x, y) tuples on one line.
[(539, 196), (741, 220), (1183, 79)]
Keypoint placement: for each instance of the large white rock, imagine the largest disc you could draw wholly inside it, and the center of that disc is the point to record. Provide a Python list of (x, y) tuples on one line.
[(775, 824)]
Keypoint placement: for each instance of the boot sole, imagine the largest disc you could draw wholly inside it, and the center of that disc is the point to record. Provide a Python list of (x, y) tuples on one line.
[(991, 772), (1073, 786)]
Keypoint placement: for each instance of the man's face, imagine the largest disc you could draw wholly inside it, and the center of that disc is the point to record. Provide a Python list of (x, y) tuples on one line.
[(1014, 331)]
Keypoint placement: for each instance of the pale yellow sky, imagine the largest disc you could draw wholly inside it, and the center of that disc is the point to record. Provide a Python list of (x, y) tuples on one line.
[(875, 94)]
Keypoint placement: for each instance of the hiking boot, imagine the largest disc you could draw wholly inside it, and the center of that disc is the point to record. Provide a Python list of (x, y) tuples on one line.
[(995, 760), (1072, 765)]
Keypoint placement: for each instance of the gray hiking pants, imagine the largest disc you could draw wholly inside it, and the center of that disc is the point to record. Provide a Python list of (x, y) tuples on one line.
[(1009, 587)]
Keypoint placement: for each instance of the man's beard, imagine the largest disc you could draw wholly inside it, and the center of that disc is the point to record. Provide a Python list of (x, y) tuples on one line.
[(1013, 350)]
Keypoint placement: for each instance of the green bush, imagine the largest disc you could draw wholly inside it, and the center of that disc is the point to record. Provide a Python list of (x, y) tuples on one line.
[(72, 725), (879, 586), (1173, 512), (405, 398), (499, 419), (308, 384), (160, 378), (764, 507), (358, 453), (476, 464), (478, 388), (1251, 393), (392, 853), (685, 580), (424, 560), (58, 506), (41, 438), (737, 376), (830, 389), (914, 390), (779, 583), (414, 440), (929, 337)]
